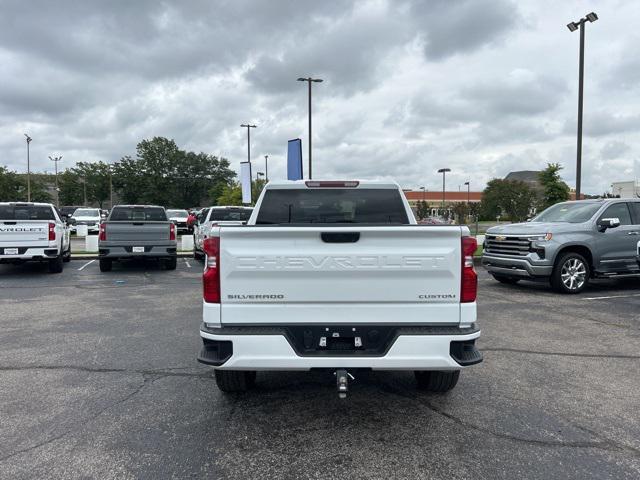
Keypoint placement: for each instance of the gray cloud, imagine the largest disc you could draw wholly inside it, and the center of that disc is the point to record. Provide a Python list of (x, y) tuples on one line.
[(409, 85)]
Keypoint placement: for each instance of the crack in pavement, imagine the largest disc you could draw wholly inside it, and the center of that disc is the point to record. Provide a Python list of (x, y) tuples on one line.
[(146, 378), (561, 354), (603, 444)]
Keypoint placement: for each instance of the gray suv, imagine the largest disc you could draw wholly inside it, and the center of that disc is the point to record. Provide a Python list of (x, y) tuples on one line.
[(568, 244)]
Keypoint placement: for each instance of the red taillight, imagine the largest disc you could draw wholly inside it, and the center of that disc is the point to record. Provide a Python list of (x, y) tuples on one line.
[(172, 231), (103, 233), (52, 231), (469, 282), (211, 276)]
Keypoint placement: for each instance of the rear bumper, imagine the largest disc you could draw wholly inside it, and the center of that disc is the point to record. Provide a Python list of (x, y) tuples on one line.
[(271, 350), (29, 253), (115, 252), (515, 267)]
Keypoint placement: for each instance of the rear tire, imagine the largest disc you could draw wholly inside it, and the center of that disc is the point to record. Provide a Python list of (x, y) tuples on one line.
[(56, 264), (568, 266), (235, 380), (436, 381), (106, 264), (197, 255), (506, 280), (171, 263), (67, 255)]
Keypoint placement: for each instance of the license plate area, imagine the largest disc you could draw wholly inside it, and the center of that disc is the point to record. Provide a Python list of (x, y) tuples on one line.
[(11, 251), (341, 340), (137, 249)]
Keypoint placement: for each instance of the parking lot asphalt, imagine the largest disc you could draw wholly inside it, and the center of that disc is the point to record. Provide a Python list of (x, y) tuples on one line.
[(99, 380)]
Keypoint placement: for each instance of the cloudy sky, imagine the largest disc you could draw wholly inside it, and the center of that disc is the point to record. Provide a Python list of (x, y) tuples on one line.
[(482, 87)]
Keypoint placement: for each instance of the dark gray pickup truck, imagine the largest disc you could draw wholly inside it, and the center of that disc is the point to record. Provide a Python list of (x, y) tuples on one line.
[(137, 231)]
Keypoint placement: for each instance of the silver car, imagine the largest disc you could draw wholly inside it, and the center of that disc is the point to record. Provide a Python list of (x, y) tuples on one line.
[(568, 244)]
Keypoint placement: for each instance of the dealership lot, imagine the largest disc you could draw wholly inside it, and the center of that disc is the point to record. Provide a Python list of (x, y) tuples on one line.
[(99, 379)]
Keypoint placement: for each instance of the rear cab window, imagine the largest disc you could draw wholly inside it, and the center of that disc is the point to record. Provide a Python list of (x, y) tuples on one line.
[(138, 214), (332, 205), (230, 214), (19, 212)]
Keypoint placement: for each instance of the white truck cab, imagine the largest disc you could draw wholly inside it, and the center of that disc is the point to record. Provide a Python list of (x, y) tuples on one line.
[(337, 275), (33, 232)]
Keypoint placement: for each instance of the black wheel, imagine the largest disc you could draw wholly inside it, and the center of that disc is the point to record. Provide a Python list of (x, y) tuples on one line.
[(106, 264), (171, 263), (235, 380), (197, 255), (55, 264), (435, 381), (570, 274), (505, 279), (67, 255)]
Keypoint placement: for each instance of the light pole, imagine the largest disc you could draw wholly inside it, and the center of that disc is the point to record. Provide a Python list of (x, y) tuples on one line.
[(573, 26), (468, 184), (443, 171), (55, 161), (423, 192), (28, 169), (309, 80), (248, 127), (266, 167)]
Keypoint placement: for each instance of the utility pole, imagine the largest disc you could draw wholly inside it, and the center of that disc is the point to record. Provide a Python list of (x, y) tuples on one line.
[(84, 187), (28, 169), (266, 168), (111, 186), (309, 80), (55, 161), (573, 26)]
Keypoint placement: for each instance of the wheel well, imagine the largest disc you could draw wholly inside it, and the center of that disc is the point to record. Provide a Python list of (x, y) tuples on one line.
[(582, 250)]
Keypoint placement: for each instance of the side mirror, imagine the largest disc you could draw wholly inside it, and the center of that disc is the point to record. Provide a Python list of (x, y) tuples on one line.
[(71, 221), (605, 223)]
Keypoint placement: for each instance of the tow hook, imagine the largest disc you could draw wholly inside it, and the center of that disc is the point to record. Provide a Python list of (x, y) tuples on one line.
[(342, 382)]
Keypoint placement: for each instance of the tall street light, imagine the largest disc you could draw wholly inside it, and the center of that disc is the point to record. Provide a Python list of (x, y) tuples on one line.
[(55, 160), (28, 169), (309, 80), (266, 167), (573, 26), (468, 184), (443, 171), (423, 192)]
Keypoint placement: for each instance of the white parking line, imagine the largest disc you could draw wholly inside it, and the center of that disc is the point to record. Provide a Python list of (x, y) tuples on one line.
[(86, 264), (188, 264), (613, 296)]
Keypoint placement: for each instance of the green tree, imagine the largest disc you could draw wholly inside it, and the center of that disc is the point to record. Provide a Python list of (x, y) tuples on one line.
[(460, 210), (554, 190), (96, 177), (422, 209), (512, 198), (10, 186), (71, 192), (231, 195), (128, 180)]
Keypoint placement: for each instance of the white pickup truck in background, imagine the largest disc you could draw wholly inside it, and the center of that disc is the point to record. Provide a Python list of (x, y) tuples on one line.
[(33, 232), (338, 275)]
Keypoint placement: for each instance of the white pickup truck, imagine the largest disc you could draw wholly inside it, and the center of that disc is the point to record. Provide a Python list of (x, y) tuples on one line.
[(337, 275), (33, 231)]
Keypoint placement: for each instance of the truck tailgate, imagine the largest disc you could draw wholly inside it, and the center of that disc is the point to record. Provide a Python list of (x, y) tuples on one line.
[(356, 274), (24, 233), (125, 232)]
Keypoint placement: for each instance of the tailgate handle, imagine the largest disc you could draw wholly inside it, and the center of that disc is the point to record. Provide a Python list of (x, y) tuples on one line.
[(340, 237), (10, 223), (138, 223)]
